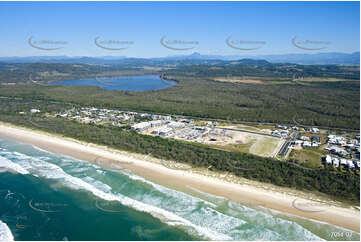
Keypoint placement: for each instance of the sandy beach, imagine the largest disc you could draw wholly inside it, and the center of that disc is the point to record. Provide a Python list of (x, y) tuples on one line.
[(280, 199)]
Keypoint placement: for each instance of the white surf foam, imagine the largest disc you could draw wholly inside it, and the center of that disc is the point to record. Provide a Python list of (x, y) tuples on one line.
[(204, 218), (7, 164), (208, 216), (5, 232), (40, 149), (77, 183)]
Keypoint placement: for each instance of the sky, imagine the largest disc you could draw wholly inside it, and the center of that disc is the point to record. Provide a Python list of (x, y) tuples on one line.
[(136, 29)]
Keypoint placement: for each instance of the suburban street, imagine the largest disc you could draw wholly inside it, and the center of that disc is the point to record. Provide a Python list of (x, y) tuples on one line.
[(285, 147)]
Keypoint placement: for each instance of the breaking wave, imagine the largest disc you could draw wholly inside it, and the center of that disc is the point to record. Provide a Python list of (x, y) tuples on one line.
[(5, 232), (8, 165)]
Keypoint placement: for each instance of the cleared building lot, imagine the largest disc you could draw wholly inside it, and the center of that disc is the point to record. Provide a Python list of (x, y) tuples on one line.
[(261, 144), (256, 144)]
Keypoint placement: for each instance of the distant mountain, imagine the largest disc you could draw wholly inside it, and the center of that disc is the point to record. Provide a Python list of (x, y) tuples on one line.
[(316, 58), (197, 58), (249, 62), (193, 56)]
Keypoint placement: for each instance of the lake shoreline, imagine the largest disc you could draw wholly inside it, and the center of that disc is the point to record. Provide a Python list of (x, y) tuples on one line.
[(133, 83)]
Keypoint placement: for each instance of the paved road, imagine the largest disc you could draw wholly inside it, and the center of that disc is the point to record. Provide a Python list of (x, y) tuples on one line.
[(284, 149)]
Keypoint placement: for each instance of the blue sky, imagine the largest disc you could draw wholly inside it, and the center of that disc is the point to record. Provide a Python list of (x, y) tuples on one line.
[(207, 23)]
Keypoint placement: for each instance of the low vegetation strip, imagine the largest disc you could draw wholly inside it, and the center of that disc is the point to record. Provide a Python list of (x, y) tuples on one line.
[(344, 187)]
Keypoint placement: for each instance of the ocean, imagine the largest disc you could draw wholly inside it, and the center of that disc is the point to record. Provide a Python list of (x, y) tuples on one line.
[(47, 196)]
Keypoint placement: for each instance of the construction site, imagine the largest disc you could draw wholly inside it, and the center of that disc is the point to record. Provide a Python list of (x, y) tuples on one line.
[(258, 143)]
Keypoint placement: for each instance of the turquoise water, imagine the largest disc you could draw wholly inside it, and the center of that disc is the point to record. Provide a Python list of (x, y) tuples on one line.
[(124, 83), (55, 197)]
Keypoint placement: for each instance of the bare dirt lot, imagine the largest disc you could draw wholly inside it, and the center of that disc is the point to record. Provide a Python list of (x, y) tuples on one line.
[(233, 140), (257, 144), (238, 80)]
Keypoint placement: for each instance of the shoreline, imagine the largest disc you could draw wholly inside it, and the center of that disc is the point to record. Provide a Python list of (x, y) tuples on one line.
[(264, 195)]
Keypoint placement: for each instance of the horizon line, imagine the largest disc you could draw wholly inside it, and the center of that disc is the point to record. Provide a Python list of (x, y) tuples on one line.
[(180, 55)]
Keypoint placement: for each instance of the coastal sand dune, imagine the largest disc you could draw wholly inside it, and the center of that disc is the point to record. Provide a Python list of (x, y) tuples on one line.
[(267, 195)]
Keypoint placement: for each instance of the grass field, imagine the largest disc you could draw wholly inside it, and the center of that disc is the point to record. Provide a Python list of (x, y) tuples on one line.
[(266, 146), (279, 81), (311, 156), (317, 79), (244, 148)]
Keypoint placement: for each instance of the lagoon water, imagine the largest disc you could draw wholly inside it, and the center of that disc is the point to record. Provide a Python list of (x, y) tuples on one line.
[(56, 197), (124, 83)]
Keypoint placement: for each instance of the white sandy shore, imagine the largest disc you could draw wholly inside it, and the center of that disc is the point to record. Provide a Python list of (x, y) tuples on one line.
[(152, 169)]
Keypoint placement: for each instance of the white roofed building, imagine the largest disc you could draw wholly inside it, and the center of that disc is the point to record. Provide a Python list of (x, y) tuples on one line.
[(33, 110), (139, 127)]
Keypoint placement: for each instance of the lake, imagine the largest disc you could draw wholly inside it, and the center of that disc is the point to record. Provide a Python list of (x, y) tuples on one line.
[(124, 83)]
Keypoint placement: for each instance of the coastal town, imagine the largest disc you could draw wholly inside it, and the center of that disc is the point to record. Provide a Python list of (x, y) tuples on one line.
[(339, 151), (180, 121)]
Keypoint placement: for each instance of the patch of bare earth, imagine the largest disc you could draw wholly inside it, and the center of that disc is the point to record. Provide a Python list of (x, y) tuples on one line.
[(238, 80)]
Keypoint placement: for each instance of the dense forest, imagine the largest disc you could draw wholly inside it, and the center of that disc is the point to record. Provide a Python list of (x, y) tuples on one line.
[(331, 104), (264, 69)]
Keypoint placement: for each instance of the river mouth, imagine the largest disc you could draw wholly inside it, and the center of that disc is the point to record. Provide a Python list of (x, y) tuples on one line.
[(123, 83)]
